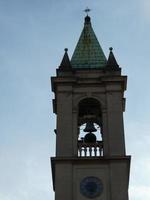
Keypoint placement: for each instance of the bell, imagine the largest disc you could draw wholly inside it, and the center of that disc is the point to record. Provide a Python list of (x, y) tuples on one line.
[(90, 127), (90, 138)]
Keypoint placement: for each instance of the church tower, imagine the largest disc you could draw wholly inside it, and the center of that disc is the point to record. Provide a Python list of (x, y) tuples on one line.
[(91, 160)]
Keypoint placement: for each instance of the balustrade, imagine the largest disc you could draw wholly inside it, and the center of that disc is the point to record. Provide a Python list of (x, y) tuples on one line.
[(90, 149)]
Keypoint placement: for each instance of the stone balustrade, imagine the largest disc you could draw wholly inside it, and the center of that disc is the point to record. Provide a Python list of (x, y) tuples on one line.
[(90, 149)]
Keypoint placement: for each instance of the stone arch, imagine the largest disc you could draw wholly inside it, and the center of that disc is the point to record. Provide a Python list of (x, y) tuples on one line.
[(78, 98), (89, 108)]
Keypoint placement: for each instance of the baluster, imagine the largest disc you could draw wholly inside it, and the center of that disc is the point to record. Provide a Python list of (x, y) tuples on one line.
[(83, 150)]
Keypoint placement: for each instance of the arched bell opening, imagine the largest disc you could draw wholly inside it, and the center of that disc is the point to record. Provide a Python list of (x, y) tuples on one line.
[(90, 135)]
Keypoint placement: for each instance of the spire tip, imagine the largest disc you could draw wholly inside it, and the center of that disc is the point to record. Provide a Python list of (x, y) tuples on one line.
[(66, 49), (110, 49)]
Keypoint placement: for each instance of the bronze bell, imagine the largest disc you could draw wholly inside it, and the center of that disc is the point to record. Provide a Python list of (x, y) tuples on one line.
[(90, 127)]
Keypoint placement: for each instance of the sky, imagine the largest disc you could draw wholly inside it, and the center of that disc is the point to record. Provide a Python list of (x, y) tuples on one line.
[(33, 35)]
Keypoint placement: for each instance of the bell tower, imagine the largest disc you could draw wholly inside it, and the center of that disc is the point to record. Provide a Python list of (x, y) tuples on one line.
[(90, 161)]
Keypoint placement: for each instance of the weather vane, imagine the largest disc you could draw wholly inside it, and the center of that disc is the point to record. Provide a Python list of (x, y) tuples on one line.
[(87, 10)]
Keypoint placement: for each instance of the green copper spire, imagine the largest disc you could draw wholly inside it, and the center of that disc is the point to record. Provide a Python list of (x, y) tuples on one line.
[(88, 52)]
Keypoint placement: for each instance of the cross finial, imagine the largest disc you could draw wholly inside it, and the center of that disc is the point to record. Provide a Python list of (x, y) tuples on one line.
[(87, 10)]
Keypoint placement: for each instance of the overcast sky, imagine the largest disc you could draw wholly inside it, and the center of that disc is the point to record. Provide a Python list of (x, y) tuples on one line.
[(33, 35)]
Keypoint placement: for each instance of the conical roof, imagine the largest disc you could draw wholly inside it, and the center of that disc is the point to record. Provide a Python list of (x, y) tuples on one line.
[(88, 52), (65, 63), (112, 63)]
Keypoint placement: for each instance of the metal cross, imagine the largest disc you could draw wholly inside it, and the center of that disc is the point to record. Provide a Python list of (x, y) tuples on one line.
[(87, 10)]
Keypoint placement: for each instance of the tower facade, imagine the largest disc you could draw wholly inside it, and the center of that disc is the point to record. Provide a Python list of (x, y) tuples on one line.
[(90, 161)]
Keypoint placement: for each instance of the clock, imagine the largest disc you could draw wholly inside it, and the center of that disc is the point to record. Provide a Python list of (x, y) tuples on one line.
[(91, 187)]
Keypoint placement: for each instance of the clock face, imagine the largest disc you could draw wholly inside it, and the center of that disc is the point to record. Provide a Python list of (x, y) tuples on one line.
[(91, 187)]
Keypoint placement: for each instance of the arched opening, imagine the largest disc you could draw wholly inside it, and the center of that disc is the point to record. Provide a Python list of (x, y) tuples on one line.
[(90, 134)]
